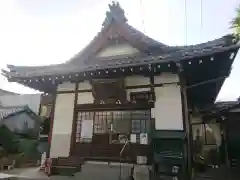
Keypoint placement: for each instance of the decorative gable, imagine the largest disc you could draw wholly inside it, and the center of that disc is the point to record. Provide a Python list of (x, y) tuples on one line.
[(116, 50), (116, 38)]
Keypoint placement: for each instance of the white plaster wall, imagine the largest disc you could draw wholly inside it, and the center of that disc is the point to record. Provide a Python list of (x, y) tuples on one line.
[(166, 78), (84, 85), (85, 98), (66, 86), (168, 108), (136, 80), (119, 49), (62, 125), (30, 100)]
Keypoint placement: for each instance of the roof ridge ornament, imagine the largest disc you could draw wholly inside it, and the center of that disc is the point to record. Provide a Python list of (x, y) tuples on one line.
[(115, 13)]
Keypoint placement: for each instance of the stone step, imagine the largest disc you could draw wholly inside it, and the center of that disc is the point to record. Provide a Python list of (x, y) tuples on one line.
[(104, 171)]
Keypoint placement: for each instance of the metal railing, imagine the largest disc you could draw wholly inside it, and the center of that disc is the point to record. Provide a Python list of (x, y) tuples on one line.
[(120, 158)]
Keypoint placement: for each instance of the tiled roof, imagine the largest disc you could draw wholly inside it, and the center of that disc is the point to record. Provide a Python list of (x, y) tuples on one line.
[(6, 111), (221, 106), (152, 51), (183, 53)]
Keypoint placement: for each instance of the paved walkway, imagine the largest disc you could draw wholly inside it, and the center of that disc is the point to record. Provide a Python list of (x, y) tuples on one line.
[(25, 173), (91, 173), (221, 173)]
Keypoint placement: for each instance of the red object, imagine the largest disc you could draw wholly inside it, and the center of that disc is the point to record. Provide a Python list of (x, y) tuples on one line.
[(48, 167)]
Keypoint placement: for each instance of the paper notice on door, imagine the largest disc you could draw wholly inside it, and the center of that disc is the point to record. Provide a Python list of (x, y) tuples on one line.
[(143, 138), (133, 138), (87, 129)]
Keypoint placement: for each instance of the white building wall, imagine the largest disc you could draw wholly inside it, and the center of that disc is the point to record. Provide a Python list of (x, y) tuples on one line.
[(136, 81), (67, 86), (168, 104), (84, 85), (63, 120), (118, 49), (30, 100), (166, 78), (62, 125), (167, 111), (85, 97)]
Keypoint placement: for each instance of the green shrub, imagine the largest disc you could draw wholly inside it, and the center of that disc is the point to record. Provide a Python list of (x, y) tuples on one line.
[(8, 140)]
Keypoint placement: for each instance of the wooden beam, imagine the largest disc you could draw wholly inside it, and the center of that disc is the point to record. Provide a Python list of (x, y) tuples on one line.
[(51, 124), (186, 121), (73, 136)]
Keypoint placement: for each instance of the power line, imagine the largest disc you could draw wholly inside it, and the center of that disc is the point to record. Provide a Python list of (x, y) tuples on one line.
[(201, 18), (185, 21), (142, 16)]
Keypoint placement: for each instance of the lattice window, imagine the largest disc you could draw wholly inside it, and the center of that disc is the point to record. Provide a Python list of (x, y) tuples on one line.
[(101, 122), (81, 117), (140, 121), (123, 122)]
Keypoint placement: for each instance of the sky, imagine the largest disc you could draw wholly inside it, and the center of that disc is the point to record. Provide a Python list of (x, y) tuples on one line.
[(43, 32)]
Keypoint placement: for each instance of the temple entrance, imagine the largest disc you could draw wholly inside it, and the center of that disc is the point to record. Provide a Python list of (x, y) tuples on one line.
[(101, 134)]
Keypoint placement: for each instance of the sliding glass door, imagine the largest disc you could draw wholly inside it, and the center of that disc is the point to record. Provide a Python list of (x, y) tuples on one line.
[(93, 123)]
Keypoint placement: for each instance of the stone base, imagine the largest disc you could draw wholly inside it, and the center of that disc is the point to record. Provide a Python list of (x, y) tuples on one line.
[(141, 172)]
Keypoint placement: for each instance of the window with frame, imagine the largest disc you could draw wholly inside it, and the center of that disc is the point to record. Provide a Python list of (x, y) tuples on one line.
[(140, 122), (45, 110), (101, 122), (120, 122), (142, 97)]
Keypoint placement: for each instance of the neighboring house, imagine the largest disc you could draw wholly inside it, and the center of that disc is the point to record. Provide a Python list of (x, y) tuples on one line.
[(30, 100), (20, 119), (227, 115)]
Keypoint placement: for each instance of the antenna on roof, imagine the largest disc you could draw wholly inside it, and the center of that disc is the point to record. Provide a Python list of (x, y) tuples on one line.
[(115, 13)]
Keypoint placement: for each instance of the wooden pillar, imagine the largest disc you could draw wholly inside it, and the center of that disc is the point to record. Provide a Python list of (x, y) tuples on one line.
[(186, 122), (51, 123), (225, 140), (73, 136)]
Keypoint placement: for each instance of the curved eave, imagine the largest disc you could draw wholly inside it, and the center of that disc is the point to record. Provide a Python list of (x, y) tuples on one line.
[(210, 75), (66, 69)]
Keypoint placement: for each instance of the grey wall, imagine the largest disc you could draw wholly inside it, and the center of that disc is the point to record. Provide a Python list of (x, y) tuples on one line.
[(31, 100), (4, 93)]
